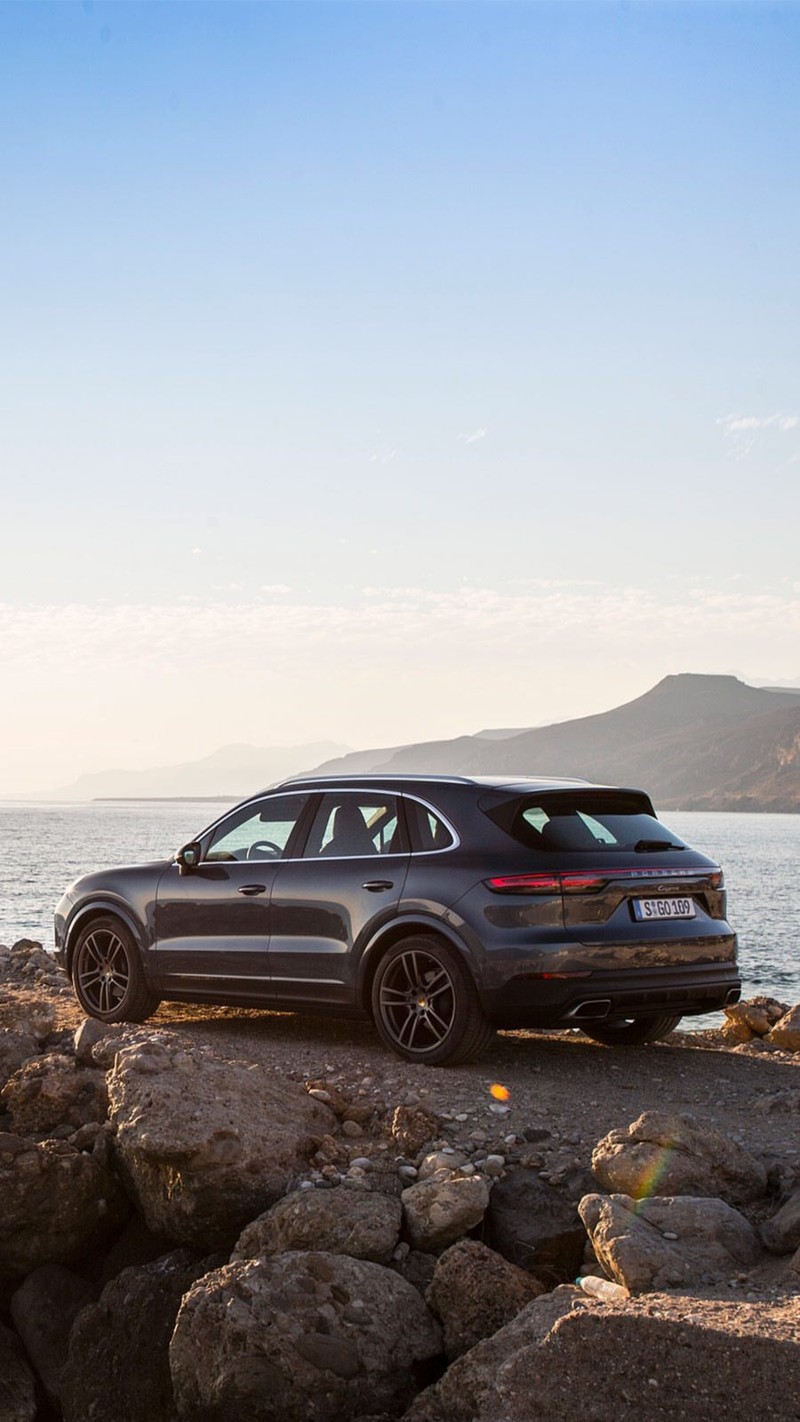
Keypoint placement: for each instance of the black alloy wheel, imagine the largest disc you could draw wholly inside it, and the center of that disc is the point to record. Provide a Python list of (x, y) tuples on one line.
[(425, 1005), (107, 974), (632, 1031)]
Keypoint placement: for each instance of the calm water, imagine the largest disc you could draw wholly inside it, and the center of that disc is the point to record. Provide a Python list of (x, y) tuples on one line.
[(46, 846)]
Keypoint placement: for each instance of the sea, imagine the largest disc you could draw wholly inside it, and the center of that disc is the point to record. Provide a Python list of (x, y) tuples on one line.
[(46, 846)]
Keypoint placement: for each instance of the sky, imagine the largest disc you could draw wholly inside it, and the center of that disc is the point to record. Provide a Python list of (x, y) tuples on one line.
[(382, 372)]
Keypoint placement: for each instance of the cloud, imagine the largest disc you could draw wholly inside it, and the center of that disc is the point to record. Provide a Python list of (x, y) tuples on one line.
[(473, 438), (382, 455), (743, 430)]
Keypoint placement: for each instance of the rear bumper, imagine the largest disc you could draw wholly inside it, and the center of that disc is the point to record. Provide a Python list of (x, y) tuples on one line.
[(640, 992)]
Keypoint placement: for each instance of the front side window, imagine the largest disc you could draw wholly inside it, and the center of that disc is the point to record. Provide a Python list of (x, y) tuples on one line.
[(347, 826), (260, 831)]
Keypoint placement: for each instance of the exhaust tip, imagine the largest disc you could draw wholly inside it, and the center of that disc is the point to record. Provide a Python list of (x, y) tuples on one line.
[(590, 1010)]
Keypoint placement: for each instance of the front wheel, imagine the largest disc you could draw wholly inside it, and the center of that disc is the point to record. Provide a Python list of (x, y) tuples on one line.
[(108, 976), (632, 1031), (425, 1005)]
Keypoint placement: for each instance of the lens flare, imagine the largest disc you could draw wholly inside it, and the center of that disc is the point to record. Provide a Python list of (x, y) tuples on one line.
[(500, 1093)]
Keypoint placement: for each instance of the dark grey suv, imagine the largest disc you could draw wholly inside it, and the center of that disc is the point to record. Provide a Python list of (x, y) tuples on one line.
[(442, 907)]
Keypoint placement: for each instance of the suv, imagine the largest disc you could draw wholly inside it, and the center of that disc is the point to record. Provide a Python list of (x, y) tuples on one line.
[(442, 907)]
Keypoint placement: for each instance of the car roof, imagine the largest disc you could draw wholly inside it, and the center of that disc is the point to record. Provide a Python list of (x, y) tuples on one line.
[(524, 783)]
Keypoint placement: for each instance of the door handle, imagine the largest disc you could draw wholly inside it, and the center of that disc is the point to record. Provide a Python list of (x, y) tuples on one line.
[(250, 889), (376, 886)]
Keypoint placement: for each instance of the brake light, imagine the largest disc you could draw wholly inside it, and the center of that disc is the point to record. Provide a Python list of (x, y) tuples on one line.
[(582, 881), (526, 884)]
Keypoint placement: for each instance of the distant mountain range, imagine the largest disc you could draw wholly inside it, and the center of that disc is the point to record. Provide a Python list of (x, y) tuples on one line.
[(230, 773), (694, 742)]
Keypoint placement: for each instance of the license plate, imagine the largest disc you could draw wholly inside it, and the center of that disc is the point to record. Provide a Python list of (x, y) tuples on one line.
[(648, 910)]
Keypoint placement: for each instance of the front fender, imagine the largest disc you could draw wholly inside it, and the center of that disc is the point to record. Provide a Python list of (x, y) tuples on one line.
[(101, 904)]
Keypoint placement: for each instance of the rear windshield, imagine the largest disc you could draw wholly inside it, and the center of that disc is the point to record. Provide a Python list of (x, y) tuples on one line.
[(585, 822)]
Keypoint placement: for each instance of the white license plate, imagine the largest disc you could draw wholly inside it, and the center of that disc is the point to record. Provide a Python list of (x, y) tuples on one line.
[(648, 910)]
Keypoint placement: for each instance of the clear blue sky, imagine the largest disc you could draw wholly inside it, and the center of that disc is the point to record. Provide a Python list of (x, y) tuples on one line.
[(382, 371)]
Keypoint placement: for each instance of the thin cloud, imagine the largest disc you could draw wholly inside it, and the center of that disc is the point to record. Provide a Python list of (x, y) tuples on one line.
[(478, 434)]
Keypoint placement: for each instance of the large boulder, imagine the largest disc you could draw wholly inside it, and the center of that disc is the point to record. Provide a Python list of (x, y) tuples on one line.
[(52, 1090), (786, 1032), (44, 1309), (472, 1386), (17, 1383), (437, 1212), (668, 1242), (56, 1203), (474, 1291), (118, 1364), (781, 1234), (532, 1225), (361, 1223), (666, 1154), (621, 1364), (203, 1144), (300, 1338)]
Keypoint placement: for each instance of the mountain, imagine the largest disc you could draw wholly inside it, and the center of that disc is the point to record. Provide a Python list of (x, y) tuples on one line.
[(692, 741), (232, 772)]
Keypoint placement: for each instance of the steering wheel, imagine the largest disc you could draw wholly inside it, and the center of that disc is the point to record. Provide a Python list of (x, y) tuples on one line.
[(274, 851)]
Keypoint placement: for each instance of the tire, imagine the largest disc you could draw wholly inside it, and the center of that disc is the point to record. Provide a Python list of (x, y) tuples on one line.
[(107, 973), (632, 1031), (425, 1005)]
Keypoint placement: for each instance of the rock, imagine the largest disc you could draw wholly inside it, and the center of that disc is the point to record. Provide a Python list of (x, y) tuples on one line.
[(440, 1160), (44, 1309), (17, 1384), (416, 1268), (757, 1014), (786, 1032), (474, 1292), (667, 1242), (57, 1203), (205, 1145), (794, 1263), (15, 1048), (438, 1212), (472, 1387), (533, 1226), (90, 1033), (622, 1364), (29, 1015), (674, 1156), (299, 1338), (361, 1224), (781, 1234), (735, 1032), (52, 1090), (413, 1127), (118, 1363)]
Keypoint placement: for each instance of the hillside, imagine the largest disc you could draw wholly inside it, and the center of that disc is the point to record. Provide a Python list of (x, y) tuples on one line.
[(695, 742)]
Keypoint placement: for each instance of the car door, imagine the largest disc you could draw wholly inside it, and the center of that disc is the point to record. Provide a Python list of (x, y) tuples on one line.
[(327, 903), (212, 924)]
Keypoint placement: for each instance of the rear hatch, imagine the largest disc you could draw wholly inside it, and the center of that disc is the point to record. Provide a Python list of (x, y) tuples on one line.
[(630, 888)]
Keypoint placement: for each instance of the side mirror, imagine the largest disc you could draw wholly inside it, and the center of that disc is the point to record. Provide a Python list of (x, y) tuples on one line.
[(188, 858)]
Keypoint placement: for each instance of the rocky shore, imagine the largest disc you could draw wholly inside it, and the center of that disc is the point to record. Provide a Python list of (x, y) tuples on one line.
[(249, 1215)]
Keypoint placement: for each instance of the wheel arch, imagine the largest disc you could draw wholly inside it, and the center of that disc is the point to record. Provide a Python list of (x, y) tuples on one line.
[(99, 908), (395, 932)]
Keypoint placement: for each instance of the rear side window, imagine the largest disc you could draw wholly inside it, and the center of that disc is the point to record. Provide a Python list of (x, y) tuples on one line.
[(428, 831), (585, 822)]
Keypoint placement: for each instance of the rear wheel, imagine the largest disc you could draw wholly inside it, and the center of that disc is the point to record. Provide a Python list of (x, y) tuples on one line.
[(425, 1005), (108, 976), (631, 1031)]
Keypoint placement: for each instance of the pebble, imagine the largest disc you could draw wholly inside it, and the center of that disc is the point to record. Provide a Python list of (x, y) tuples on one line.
[(669, 1234), (361, 1162), (494, 1164), (352, 1129), (318, 1094)]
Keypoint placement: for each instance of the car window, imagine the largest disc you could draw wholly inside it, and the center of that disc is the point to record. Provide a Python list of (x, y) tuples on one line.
[(349, 825), (260, 831), (428, 831), (604, 826)]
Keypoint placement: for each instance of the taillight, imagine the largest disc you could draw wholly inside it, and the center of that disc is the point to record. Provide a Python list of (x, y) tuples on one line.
[(526, 884), (582, 881)]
